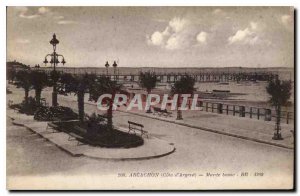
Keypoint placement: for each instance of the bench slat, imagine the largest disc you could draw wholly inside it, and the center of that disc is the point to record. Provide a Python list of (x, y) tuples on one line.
[(160, 111), (75, 135), (52, 125), (80, 129), (137, 124)]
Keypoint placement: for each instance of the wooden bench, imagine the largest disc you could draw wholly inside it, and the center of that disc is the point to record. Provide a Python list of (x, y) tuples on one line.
[(166, 113), (82, 130), (43, 102), (52, 126), (160, 112), (133, 127), (73, 136), (104, 116), (156, 110), (10, 103)]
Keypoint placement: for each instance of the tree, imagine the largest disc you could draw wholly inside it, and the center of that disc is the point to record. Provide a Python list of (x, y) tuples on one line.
[(79, 85), (280, 92), (23, 81), (39, 81), (11, 74), (148, 81), (105, 85), (185, 85)]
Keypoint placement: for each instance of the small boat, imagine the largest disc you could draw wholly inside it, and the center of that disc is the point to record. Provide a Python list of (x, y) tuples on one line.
[(221, 91), (223, 83)]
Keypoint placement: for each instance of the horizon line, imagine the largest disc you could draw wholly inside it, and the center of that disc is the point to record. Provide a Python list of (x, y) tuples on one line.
[(41, 66)]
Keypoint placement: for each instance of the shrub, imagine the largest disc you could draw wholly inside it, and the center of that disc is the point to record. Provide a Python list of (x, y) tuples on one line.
[(54, 113), (95, 118), (94, 124), (100, 135), (114, 138), (28, 108)]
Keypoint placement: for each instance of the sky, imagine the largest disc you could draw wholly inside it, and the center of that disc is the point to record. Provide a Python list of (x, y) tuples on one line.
[(154, 36)]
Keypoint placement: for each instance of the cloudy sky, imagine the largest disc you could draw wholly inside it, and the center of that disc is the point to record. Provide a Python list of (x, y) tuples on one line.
[(154, 36)]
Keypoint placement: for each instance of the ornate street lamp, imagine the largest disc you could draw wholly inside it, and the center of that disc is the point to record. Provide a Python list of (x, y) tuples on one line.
[(54, 42), (63, 61), (45, 61), (54, 60)]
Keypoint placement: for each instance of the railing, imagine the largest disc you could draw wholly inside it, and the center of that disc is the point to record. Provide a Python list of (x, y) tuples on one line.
[(258, 113), (172, 77)]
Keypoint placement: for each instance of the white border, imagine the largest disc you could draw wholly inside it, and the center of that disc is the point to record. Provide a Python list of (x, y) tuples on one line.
[(151, 3)]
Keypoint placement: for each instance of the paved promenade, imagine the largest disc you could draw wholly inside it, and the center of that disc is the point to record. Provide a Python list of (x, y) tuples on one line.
[(245, 128), (234, 126), (152, 147)]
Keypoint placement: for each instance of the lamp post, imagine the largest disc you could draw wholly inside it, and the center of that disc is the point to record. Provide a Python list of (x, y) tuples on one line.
[(54, 61), (115, 70), (115, 65), (106, 65), (37, 67)]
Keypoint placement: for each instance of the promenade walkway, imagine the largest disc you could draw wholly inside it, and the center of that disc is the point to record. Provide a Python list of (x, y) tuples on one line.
[(152, 148), (244, 128)]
